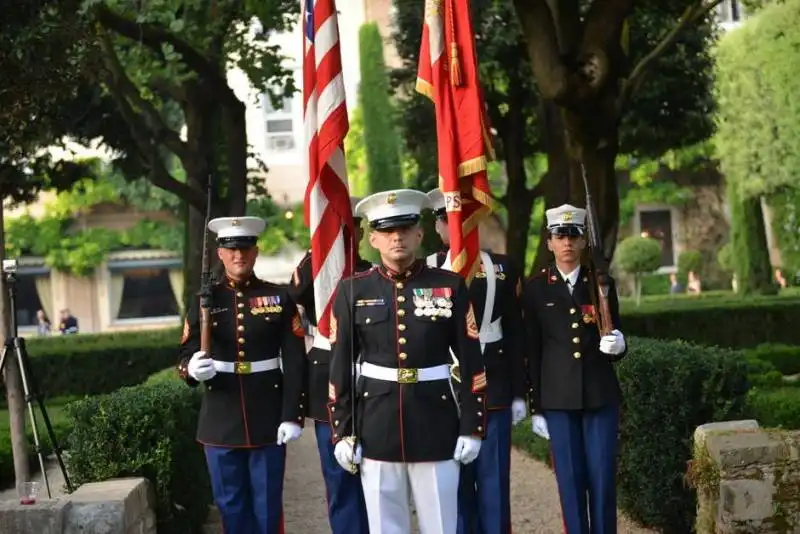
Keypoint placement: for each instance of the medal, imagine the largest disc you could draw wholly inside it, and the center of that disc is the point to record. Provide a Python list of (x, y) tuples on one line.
[(419, 312), (447, 312)]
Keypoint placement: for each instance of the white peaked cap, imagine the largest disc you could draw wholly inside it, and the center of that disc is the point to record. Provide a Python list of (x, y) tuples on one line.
[(389, 209)]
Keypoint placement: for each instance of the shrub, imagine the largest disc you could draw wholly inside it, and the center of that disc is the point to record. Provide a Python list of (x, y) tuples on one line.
[(690, 260), (639, 256), (726, 322), (99, 363), (146, 430), (655, 284), (669, 388), (779, 407), (785, 358)]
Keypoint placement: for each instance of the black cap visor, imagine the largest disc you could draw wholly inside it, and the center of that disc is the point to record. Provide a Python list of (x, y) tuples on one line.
[(440, 214), (237, 242), (567, 230), (390, 223)]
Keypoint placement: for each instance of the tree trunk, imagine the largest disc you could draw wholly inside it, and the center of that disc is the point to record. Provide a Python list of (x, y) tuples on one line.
[(15, 396), (587, 135), (235, 129), (638, 281), (519, 198)]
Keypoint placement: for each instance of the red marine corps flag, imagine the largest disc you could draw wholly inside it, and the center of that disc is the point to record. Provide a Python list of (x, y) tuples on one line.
[(448, 75)]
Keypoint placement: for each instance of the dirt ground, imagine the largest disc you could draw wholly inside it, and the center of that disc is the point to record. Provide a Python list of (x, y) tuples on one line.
[(534, 498)]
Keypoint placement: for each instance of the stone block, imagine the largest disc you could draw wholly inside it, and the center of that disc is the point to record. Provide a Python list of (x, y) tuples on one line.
[(726, 427), (742, 449), (748, 501), (110, 507), (44, 517)]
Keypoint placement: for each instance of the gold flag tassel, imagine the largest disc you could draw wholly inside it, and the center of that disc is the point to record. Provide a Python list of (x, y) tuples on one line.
[(455, 67)]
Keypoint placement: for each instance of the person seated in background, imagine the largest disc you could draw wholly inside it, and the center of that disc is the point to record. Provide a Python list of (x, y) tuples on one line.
[(693, 285), (780, 279), (42, 324), (69, 324), (675, 287)]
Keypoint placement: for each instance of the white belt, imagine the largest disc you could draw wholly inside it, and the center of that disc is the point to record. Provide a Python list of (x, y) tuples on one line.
[(320, 341), (405, 376), (246, 368), (491, 333)]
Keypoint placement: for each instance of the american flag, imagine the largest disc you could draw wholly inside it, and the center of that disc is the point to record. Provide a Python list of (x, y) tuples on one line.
[(327, 199)]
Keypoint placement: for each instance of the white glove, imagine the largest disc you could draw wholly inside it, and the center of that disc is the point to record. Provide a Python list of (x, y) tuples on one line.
[(201, 368), (345, 455), (539, 424), (613, 343), (467, 449), (518, 411), (288, 432)]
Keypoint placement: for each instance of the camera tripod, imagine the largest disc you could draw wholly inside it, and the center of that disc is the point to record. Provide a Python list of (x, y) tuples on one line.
[(16, 345)]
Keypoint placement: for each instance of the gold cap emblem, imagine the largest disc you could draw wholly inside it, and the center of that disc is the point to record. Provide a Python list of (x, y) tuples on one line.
[(235, 222), (391, 198), (567, 216)]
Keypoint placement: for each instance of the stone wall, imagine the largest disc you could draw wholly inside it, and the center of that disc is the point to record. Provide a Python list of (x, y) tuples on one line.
[(120, 506), (747, 479)]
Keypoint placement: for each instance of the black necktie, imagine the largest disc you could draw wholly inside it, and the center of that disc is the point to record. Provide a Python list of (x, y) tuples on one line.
[(569, 285)]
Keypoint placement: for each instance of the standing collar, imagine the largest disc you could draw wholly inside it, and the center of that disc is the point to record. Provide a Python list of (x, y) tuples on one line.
[(238, 284), (391, 274)]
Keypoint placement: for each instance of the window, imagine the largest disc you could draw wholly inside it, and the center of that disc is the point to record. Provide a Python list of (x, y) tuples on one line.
[(729, 11), (657, 225), (142, 293), (27, 300), (279, 125)]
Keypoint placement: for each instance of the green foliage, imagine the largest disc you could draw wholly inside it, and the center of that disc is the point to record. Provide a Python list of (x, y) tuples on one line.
[(655, 284), (689, 260), (785, 204), (639, 255), (356, 153), (785, 358), (726, 322), (146, 430), (749, 242), (61, 428), (725, 258), (89, 364), (284, 226), (778, 407), (381, 141), (758, 121), (670, 388)]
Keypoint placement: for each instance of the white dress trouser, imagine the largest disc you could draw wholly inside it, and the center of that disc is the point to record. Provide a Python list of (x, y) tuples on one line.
[(434, 488)]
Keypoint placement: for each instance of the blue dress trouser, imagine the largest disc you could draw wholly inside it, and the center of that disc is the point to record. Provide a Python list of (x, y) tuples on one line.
[(484, 492), (584, 447), (248, 487), (347, 511)]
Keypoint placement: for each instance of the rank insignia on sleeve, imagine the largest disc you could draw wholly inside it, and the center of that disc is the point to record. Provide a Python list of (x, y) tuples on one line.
[(331, 392), (334, 327), (297, 326), (185, 335), (479, 382), (472, 326)]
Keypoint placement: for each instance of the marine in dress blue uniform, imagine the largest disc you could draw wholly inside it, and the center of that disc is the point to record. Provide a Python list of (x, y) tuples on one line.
[(573, 383), (253, 399), (403, 318), (485, 485), (347, 512)]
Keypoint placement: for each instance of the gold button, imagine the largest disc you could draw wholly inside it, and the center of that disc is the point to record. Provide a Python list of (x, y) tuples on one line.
[(239, 294), (499, 351), (480, 429), (214, 323), (576, 340), (240, 316), (276, 386), (401, 327), (572, 310), (301, 405), (241, 341), (300, 418), (315, 362), (402, 341), (433, 318), (240, 328), (240, 305), (574, 325), (480, 414), (444, 397), (399, 285), (480, 399), (366, 394), (401, 298), (401, 313), (368, 320), (336, 435), (333, 409), (336, 422), (576, 355), (402, 355), (241, 354)]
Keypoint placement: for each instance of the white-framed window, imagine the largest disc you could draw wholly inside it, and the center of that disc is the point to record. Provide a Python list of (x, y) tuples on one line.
[(145, 291), (278, 125), (659, 223), (33, 293), (730, 13)]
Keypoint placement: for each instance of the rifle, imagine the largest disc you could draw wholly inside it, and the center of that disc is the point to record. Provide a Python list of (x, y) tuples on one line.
[(206, 281), (598, 259)]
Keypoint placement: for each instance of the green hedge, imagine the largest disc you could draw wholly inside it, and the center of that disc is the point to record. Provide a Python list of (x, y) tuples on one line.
[(776, 408), (669, 388), (146, 430), (90, 364), (725, 322), (785, 358)]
